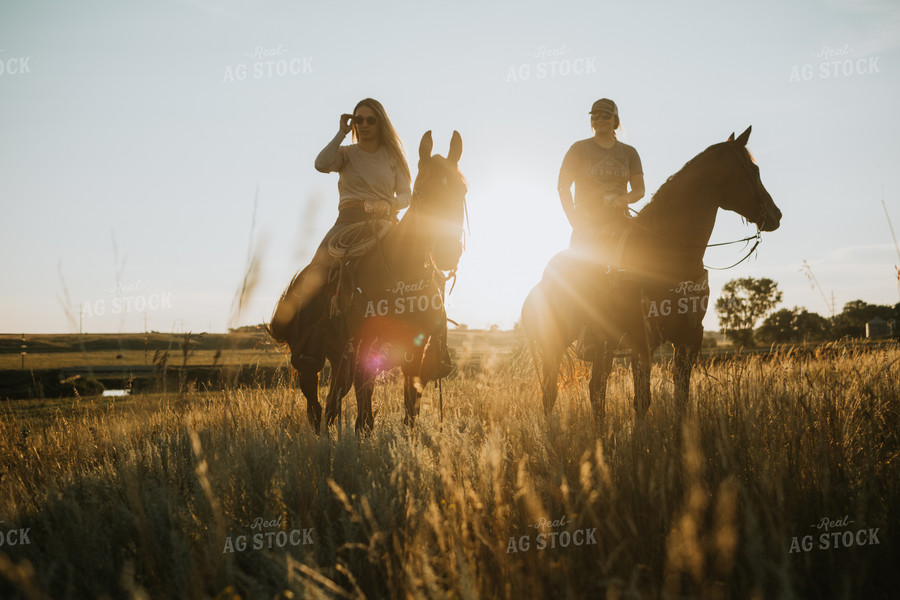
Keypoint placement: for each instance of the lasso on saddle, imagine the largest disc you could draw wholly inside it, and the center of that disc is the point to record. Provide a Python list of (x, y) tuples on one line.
[(346, 247)]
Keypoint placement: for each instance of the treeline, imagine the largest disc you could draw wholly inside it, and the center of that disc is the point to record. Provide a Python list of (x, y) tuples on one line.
[(746, 311), (47, 343)]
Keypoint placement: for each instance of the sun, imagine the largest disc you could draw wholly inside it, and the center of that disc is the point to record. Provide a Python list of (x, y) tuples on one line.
[(515, 227)]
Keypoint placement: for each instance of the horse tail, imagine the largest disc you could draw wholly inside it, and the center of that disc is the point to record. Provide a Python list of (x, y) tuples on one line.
[(283, 322), (533, 319)]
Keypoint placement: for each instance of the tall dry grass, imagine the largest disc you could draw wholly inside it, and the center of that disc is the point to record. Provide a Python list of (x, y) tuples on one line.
[(143, 501)]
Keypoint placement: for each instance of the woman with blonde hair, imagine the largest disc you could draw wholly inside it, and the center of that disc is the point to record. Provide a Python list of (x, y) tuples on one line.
[(374, 181)]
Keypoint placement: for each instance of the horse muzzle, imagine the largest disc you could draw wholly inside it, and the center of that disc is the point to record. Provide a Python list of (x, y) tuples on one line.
[(771, 217), (446, 254)]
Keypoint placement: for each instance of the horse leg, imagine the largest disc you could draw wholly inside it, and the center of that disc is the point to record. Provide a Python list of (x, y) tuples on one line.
[(309, 385), (550, 376), (411, 395), (640, 369), (600, 369), (341, 381), (685, 356), (364, 382)]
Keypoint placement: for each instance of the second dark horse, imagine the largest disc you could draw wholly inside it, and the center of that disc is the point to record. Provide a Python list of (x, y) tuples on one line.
[(658, 291)]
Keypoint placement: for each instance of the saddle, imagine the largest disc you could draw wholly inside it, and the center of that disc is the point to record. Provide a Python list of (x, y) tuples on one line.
[(341, 285), (347, 247)]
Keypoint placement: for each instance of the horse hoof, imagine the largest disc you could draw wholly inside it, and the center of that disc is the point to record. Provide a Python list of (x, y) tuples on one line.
[(315, 421)]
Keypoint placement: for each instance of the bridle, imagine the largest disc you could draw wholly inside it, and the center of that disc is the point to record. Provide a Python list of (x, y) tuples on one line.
[(755, 181), (761, 217), (415, 210)]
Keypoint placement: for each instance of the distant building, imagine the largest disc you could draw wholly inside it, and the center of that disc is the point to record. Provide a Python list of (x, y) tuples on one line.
[(878, 328)]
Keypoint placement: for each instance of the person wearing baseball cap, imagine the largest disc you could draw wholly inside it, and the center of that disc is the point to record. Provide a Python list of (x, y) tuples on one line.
[(602, 169)]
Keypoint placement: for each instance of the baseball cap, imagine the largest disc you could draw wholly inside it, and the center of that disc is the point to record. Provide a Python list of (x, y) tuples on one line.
[(605, 105)]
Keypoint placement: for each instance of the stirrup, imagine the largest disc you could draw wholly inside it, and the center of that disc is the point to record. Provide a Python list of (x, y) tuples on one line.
[(443, 370)]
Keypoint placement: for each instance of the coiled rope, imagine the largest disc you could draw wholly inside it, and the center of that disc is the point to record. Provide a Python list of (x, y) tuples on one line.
[(352, 240)]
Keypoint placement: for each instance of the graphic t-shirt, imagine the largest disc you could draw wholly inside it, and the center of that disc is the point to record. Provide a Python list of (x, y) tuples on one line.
[(600, 174)]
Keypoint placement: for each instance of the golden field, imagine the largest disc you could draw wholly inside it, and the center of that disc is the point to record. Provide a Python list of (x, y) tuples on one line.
[(230, 494)]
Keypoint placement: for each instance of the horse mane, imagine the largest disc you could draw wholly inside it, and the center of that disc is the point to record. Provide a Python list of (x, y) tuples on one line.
[(667, 190)]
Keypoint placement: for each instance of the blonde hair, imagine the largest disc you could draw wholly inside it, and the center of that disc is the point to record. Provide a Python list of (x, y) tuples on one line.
[(386, 133)]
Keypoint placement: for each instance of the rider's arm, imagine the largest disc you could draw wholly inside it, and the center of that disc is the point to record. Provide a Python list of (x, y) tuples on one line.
[(401, 189), (564, 185), (636, 181), (331, 158), (637, 191)]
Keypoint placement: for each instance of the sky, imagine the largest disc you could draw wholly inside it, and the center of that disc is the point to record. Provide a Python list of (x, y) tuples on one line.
[(151, 151)]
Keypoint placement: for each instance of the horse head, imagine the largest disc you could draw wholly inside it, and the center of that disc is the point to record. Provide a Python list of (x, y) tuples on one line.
[(737, 167), (439, 199)]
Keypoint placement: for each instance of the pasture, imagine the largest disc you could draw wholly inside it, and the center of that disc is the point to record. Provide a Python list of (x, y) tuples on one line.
[(783, 483), (48, 351)]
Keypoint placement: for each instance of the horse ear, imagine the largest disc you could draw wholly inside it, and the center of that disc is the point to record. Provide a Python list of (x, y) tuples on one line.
[(425, 146), (455, 147), (742, 140), (731, 137)]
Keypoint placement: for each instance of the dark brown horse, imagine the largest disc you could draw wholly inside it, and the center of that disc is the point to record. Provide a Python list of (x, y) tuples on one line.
[(658, 290), (396, 312)]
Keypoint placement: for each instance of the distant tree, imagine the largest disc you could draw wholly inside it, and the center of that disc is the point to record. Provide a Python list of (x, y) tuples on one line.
[(742, 303), (709, 341), (778, 328), (248, 328), (793, 325), (852, 320), (811, 327)]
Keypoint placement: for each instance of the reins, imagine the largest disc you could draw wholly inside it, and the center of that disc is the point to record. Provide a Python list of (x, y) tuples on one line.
[(758, 238), (676, 242)]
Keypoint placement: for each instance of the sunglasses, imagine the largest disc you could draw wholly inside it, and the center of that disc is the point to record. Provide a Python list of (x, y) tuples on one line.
[(599, 116), (367, 120)]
